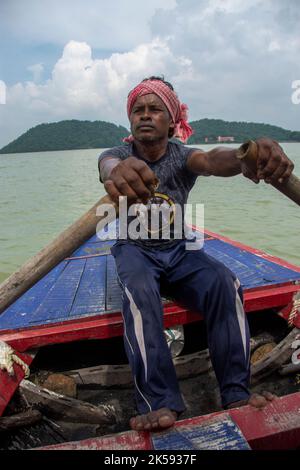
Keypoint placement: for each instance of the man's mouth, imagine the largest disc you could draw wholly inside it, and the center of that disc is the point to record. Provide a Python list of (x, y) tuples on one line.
[(145, 127)]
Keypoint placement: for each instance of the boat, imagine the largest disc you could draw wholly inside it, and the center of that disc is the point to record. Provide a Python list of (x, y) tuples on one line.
[(68, 324)]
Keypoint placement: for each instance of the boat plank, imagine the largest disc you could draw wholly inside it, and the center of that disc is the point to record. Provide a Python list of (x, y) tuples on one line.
[(59, 300), (113, 289), (21, 311), (90, 295), (252, 269), (275, 427), (59, 303)]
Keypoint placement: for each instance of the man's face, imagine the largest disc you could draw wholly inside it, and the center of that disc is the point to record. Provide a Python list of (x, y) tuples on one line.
[(150, 119)]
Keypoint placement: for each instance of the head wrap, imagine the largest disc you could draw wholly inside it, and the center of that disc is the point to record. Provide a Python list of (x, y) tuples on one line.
[(177, 110)]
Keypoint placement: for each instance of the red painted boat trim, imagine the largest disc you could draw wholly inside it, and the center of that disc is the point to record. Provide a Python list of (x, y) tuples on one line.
[(99, 327), (111, 325), (275, 427), (9, 384)]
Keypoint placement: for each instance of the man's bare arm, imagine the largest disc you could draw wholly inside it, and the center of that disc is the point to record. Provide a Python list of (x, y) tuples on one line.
[(220, 161), (272, 163)]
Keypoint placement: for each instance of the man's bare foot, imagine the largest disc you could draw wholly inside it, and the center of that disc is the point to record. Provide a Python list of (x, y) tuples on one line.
[(155, 420), (256, 400)]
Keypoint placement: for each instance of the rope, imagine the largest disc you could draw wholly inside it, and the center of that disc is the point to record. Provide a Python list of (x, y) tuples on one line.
[(7, 359), (295, 310)]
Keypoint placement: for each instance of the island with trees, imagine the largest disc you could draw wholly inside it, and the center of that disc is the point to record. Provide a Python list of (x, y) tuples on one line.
[(75, 134)]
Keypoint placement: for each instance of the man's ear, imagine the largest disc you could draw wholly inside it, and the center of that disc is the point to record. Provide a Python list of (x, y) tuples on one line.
[(171, 129)]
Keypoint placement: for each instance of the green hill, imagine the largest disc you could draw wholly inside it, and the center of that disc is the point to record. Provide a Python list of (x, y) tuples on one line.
[(74, 134), (241, 131), (67, 135)]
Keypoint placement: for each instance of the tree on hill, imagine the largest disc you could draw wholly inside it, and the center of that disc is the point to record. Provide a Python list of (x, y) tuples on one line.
[(74, 134), (68, 135), (241, 131)]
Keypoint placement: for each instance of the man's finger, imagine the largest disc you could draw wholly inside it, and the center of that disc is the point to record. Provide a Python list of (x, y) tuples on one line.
[(137, 184), (278, 173), (148, 176), (125, 189), (273, 162), (112, 191), (286, 174)]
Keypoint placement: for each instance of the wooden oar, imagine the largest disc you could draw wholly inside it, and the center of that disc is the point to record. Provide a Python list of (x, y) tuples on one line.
[(61, 247), (290, 187)]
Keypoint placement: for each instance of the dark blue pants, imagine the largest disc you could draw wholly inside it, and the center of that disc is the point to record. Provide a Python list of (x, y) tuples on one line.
[(203, 284)]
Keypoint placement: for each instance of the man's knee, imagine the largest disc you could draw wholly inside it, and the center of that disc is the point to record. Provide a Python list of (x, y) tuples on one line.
[(140, 283), (223, 277)]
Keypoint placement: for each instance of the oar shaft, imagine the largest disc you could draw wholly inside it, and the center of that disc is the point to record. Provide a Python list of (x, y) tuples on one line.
[(60, 248), (290, 187)]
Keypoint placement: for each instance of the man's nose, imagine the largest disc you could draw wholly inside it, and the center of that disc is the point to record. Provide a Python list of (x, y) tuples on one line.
[(145, 114)]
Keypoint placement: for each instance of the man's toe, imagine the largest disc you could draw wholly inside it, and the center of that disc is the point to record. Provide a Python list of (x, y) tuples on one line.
[(258, 401), (268, 395)]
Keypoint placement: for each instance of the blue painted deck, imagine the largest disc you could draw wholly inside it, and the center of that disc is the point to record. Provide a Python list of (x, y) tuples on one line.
[(86, 284), (215, 434)]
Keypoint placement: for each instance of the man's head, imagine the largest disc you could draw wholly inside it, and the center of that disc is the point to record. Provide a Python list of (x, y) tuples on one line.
[(155, 112)]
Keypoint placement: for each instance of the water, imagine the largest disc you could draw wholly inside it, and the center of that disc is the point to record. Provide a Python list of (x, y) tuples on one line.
[(43, 193)]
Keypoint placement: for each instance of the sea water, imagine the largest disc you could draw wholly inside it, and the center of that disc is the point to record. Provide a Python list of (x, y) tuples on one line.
[(41, 194)]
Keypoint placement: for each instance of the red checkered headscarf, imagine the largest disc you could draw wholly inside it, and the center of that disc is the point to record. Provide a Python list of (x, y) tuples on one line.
[(177, 110)]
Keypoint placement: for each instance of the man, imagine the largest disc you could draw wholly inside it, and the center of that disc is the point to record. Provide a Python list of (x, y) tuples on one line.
[(151, 167)]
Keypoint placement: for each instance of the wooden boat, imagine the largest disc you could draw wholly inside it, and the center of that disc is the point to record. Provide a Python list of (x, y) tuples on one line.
[(78, 303)]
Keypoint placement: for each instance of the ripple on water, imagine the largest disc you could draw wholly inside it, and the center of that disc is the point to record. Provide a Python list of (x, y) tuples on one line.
[(256, 215)]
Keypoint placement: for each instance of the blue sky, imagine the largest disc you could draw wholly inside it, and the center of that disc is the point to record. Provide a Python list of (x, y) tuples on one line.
[(228, 59)]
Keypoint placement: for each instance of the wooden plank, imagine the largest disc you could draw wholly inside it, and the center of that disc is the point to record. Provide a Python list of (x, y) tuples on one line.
[(59, 300), (275, 427), (250, 249), (111, 325), (9, 384), (130, 440), (217, 433), (95, 327), (26, 418), (269, 297), (90, 295), (114, 375), (20, 312), (69, 298), (69, 409), (113, 289)]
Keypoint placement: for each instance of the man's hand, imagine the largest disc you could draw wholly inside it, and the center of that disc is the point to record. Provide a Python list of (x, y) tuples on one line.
[(132, 178), (273, 165)]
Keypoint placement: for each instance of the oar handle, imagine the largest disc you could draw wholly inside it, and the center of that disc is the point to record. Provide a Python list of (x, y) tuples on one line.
[(290, 187)]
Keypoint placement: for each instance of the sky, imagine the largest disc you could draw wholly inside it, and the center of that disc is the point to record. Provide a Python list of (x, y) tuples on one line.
[(77, 59)]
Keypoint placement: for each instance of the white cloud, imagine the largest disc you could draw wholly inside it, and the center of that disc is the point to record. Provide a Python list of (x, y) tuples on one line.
[(229, 59), (85, 88), (244, 55)]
